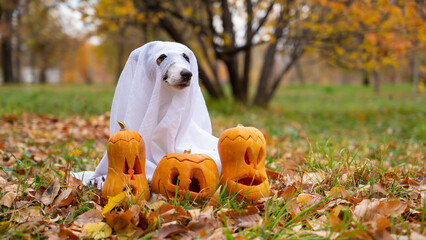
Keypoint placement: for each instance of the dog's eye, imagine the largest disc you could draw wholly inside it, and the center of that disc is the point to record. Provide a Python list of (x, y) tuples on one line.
[(161, 58), (186, 57)]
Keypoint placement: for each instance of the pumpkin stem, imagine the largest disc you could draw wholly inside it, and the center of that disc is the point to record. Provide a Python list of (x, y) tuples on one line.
[(122, 125), (187, 151), (240, 125)]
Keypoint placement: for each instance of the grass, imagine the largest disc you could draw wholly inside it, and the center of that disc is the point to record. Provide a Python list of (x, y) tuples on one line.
[(59, 100), (347, 135)]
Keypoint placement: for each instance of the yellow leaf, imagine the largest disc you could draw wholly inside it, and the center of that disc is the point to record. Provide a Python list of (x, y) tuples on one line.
[(4, 225), (113, 201), (187, 12), (156, 205), (97, 230)]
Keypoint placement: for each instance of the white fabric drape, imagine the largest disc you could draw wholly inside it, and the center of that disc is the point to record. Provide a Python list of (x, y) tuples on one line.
[(168, 119)]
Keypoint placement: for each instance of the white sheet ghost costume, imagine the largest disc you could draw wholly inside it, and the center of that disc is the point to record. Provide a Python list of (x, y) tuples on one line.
[(170, 120)]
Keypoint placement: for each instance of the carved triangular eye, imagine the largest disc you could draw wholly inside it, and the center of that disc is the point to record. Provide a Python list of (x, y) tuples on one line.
[(261, 155), (137, 166), (126, 166), (247, 156)]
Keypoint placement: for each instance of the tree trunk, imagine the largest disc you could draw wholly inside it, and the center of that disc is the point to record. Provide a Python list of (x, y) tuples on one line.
[(365, 78), (120, 51), (415, 71), (6, 47), (265, 75), (299, 73), (6, 59), (42, 75), (232, 67), (247, 53), (18, 52), (376, 82)]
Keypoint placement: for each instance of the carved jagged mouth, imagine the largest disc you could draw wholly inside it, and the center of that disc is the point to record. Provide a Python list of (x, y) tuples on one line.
[(249, 181), (193, 187)]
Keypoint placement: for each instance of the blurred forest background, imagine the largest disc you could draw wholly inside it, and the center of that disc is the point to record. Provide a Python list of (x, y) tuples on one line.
[(245, 49)]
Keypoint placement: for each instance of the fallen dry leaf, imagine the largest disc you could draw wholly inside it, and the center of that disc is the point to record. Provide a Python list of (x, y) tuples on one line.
[(8, 199), (91, 216), (114, 201), (380, 222), (171, 229), (313, 178), (204, 226), (65, 198), (395, 207), (367, 209), (112, 218), (30, 214), (337, 192), (96, 230), (50, 193)]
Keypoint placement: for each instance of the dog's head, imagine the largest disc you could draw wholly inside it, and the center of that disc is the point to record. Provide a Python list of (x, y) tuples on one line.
[(175, 68)]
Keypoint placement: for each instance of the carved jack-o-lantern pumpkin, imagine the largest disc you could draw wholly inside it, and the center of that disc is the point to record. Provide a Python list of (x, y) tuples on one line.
[(185, 173), (126, 164), (242, 152)]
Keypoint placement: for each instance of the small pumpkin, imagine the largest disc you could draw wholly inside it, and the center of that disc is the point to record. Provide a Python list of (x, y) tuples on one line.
[(186, 173), (126, 164), (242, 151)]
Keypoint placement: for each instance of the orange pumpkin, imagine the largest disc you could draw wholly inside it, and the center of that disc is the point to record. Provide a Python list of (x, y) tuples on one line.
[(126, 164), (193, 174), (242, 151)]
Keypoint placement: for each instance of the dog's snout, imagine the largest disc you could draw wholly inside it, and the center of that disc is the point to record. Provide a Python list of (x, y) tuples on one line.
[(186, 75)]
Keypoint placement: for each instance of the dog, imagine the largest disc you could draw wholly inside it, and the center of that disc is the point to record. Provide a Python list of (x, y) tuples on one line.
[(158, 95), (177, 75)]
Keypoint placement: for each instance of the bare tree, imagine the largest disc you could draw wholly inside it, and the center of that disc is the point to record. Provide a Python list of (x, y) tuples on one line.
[(228, 31)]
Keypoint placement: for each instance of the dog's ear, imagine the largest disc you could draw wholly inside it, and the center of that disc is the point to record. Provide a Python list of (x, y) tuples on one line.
[(161, 58)]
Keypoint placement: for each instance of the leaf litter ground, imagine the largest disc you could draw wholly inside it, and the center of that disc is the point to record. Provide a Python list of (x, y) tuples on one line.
[(319, 191)]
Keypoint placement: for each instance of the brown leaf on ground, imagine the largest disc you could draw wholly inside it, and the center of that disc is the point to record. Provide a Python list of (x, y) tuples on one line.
[(395, 207), (169, 213), (367, 209), (337, 192), (335, 223), (51, 192), (274, 175), (245, 218), (380, 222), (91, 216), (204, 226), (112, 218), (382, 235), (288, 193), (123, 227), (171, 229), (306, 199), (65, 233), (74, 183), (30, 214), (313, 178), (3, 183), (65, 198), (8, 199)]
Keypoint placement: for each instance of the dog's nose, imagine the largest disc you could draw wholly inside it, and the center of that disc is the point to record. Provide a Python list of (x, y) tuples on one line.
[(186, 75)]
